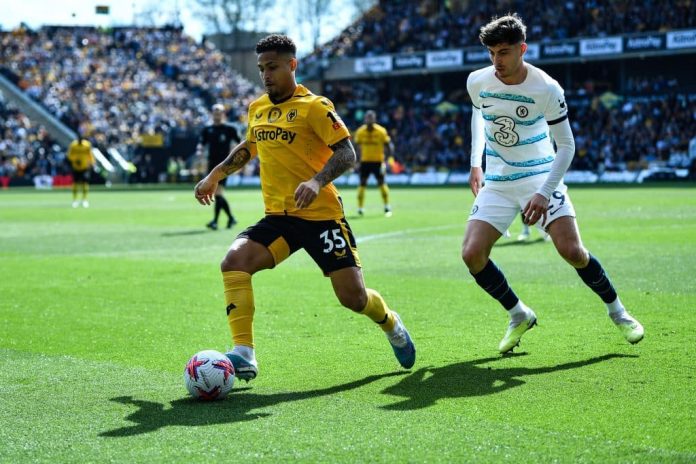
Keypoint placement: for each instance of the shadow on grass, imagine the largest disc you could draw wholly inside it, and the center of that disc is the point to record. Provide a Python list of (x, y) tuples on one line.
[(426, 386), (238, 407), (180, 233)]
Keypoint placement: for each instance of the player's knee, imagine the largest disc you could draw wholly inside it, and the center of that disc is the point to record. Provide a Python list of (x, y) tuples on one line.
[(574, 253), (235, 261), (353, 300), (474, 258), (228, 262)]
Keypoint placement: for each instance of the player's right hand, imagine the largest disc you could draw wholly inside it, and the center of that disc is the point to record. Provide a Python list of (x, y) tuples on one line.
[(204, 191), (476, 179)]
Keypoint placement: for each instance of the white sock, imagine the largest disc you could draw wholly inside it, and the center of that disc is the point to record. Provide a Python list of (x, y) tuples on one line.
[(245, 352), (519, 312), (616, 307)]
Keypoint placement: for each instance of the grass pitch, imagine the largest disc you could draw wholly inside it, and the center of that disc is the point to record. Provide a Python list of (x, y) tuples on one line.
[(100, 308)]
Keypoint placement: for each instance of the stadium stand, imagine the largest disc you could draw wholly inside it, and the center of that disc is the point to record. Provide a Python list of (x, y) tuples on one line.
[(432, 129), (26, 149), (137, 90), (414, 25), (622, 119), (126, 87)]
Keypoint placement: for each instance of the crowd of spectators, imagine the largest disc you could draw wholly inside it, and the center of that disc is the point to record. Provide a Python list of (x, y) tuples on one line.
[(123, 86), (399, 26), (427, 128), (612, 132), (634, 132), (430, 132), (118, 86), (202, 68), (26, 149)]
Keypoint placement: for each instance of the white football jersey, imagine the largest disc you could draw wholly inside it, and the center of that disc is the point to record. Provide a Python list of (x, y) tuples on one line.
[(516, 122)]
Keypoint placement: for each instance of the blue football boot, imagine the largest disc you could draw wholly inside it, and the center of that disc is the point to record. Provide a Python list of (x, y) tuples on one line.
[(243, 369), (401, 343)]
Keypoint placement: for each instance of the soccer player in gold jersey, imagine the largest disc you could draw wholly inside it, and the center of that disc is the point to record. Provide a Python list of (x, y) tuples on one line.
[(81, 161), (372, 141), (302, 146)]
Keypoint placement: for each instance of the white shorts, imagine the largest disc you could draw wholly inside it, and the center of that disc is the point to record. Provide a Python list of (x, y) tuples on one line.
[(498, 203)]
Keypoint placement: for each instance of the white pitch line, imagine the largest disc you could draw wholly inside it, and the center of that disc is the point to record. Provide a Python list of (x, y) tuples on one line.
[(367, 238)]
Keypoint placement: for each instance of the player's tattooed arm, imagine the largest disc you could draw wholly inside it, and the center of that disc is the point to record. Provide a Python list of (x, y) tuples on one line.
[(238, 157), (205, 189), (343, 158)]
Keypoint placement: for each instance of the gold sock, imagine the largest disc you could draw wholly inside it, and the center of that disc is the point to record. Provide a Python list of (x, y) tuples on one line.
[(361, 196), (239, 298), (377, 310), (74, 191), (385, 193), (85, 190)]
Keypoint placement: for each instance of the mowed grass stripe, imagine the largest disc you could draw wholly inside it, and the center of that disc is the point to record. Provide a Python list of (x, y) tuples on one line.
[(100, 402)]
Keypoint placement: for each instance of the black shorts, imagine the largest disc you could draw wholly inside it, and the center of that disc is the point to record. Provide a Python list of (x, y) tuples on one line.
[(377, 169), (330, 243), (80, 176)]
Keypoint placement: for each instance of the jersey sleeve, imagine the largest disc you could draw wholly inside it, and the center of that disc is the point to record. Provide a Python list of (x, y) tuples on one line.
[(71, 152), (326, 123), (478, 143), (250, 137), (385, 134), (473, 94), (556, 109)]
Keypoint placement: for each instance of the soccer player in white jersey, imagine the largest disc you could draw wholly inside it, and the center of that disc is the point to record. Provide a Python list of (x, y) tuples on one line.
[(516, 109)]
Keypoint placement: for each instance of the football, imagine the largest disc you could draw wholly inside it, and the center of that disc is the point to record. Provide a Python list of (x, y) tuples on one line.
[(209, 375)]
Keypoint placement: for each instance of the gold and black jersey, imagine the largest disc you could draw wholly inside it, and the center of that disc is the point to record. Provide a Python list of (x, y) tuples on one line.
[(292, 140), (371, 143), (80, 155)]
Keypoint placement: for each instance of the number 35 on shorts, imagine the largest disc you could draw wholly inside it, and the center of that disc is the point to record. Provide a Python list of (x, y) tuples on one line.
[(333, 240)]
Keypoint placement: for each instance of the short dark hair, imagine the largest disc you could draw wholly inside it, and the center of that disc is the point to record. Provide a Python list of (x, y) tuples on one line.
[(507, 29), (276, 43)]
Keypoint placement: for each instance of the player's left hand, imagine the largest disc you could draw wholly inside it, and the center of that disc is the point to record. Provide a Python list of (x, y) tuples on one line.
[(306, 192), (535, 210), (205, 191)]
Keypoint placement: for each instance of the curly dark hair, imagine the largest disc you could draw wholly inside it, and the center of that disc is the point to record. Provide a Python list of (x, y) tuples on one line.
[(276, 43), (507, 29)]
